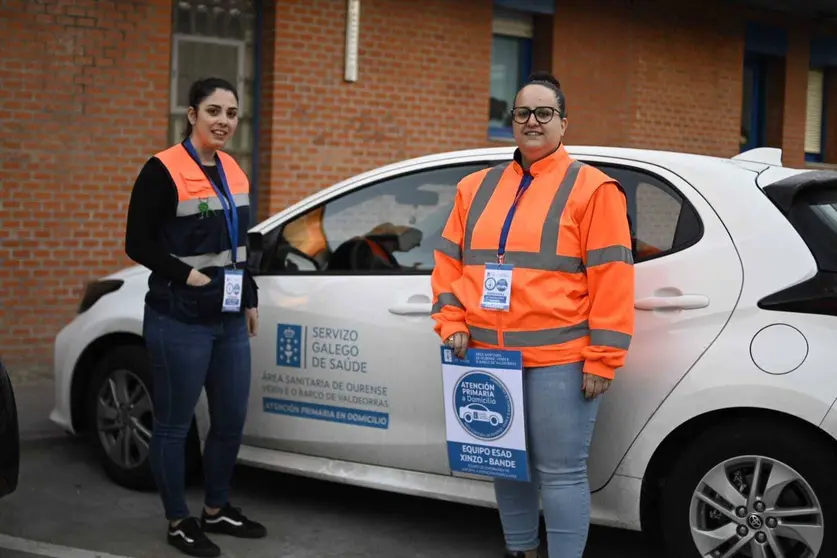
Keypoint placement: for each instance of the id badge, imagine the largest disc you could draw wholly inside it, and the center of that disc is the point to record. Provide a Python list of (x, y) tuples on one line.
[(496, 287), (233, 285)]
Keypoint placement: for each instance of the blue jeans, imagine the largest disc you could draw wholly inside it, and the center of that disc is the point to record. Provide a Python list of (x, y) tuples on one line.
[(186, 358), (559, 422)]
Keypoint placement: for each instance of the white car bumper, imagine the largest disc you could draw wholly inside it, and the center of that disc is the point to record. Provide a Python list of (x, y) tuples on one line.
[(117, 313)]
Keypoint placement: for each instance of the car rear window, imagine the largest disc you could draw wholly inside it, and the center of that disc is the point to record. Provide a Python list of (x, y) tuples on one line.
[(814, 214)]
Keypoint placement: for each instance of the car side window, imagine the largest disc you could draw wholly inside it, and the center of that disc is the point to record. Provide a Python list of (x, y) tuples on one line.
[(388, 227), (662, 219)]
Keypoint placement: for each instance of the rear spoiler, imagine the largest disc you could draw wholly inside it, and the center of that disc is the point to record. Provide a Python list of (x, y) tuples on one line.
[(783, 192)]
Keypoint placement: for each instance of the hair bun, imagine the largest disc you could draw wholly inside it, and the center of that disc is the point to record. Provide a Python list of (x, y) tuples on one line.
[(544, 76)]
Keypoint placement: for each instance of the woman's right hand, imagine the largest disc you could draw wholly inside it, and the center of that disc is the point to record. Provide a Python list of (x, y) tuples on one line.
[(197, 279), (459, 343)]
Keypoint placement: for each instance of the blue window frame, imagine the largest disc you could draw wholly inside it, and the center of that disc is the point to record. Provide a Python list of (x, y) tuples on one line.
[(754, 102), (511, 63), (511, 58), (762, 43)]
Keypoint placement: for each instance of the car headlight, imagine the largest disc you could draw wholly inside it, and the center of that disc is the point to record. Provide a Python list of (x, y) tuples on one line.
[(95, 290)]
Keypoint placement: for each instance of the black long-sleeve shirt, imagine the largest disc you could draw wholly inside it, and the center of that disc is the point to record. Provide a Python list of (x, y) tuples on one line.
[(154, 202)]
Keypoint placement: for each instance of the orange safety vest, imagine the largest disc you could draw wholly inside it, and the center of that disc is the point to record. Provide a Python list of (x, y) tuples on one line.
[(198, 236), (572, 295)]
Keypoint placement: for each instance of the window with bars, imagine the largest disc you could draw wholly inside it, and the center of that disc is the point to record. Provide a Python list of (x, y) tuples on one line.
[(214, 38)]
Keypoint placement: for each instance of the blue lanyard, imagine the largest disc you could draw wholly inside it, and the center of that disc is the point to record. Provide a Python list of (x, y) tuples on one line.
[(227, 203), (504, 233)]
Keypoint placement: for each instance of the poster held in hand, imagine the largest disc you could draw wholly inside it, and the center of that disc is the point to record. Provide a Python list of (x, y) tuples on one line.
[(484, 415)]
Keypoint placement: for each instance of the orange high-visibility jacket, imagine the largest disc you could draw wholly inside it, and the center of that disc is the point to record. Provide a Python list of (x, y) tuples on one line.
[(572, 295)]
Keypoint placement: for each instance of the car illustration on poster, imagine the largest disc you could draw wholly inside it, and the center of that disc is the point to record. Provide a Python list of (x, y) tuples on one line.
[(475, 411)]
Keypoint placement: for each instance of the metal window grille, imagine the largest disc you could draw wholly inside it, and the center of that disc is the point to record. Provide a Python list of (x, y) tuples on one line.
[(214, 38)]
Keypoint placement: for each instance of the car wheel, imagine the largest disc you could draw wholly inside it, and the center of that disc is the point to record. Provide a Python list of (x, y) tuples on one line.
[(750, 489), (468, 418), (121, 418)]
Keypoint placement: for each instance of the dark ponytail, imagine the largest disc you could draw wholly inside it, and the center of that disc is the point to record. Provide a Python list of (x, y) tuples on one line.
[(200, 90)]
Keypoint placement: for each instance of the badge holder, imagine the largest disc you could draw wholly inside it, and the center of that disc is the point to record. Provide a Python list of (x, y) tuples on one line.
[(233, 286), (496, 286)]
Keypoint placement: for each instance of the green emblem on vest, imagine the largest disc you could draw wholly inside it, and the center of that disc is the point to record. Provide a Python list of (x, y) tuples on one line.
[(203, 207)]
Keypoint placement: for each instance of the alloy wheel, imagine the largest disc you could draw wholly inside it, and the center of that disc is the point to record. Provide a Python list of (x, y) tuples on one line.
[(755, 507), (124, 418)]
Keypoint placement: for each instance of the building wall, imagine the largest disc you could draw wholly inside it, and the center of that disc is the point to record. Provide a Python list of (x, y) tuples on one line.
[(422, 87), (87, 85), (655, 78), (84, 108)]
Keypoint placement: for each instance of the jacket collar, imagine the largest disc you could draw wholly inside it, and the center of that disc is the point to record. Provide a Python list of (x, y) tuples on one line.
[(557, 159)]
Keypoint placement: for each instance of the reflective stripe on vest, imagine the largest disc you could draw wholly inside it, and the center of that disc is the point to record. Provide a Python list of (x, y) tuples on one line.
[(197, 200), (545, 259), (196, 206)]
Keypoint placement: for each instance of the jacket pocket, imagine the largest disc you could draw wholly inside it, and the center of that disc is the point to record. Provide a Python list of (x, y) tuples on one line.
[(200, 303), (196, 184)]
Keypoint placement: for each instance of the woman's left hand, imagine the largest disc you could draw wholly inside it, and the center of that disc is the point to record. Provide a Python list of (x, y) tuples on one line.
[(593, 386), (252, 315)]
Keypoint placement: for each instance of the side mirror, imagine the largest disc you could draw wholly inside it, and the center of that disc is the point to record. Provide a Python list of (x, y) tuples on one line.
[(256, 241)]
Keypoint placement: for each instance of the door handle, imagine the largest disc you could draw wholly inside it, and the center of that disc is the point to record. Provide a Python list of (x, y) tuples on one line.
[(411, 308), (680, 302)]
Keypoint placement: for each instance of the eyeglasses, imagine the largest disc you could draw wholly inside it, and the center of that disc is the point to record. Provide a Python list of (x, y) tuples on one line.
[(542, 114)]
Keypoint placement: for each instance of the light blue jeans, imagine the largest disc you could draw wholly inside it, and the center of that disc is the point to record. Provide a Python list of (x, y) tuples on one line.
[(559, 422)]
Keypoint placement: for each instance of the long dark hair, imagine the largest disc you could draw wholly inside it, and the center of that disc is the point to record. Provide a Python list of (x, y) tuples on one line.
[(203, 88)]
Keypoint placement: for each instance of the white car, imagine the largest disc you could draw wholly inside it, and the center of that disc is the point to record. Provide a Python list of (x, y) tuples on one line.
[(718, 435)]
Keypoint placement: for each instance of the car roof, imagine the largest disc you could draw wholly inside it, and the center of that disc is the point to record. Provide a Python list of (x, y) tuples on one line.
[(688, 165)]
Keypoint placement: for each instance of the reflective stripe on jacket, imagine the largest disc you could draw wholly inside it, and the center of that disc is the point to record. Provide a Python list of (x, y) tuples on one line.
[(198, 235), (572, 295)]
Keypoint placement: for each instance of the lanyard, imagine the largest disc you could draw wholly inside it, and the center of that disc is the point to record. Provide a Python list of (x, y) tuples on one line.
[(504, 233), (227, 203)]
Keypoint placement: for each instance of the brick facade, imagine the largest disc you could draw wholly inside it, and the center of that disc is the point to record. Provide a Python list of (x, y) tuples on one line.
[(87, 87), (85, 106)]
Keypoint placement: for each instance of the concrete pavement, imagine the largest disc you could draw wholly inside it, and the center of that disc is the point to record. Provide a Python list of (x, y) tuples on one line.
[(65, 501)]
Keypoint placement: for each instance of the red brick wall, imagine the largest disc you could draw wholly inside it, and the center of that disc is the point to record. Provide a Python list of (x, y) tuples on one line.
[(423, 86), (85, 105), (639, 76), (593, 67)]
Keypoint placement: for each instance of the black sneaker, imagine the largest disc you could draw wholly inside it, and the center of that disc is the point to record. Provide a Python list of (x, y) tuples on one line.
[(230, 521), (188, 537)]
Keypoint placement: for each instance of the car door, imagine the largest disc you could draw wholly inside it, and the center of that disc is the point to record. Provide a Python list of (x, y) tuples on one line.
[(346, 365), (688, 277)]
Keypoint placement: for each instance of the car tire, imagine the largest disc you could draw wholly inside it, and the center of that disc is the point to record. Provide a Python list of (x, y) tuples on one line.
[(785, 449), (129, 364)]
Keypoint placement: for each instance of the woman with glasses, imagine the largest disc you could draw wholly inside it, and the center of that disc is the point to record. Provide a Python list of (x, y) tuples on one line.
[(554, 232)]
